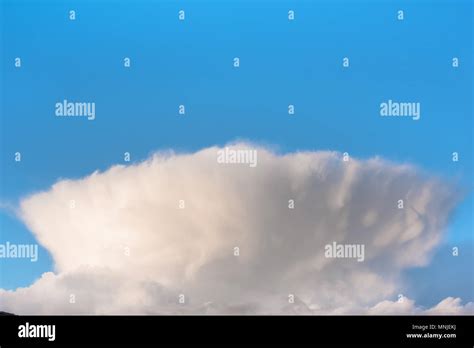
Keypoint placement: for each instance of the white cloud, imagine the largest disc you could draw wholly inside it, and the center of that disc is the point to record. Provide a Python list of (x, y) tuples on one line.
[(449, 305), (190, 251)]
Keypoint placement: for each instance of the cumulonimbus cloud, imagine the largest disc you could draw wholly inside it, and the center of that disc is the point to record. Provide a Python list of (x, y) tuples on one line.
[(185, 233)]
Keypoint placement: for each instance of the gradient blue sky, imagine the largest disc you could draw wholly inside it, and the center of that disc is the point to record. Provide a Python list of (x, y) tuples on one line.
[(282, 63)]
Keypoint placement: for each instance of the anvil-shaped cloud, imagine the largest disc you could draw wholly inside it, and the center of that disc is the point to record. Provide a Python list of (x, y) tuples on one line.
[(161, 236)]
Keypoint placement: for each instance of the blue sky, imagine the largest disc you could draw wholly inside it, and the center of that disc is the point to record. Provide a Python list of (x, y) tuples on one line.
[(282, 63)]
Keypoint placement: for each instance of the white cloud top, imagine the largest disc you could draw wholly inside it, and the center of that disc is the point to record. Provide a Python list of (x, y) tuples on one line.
[(122, 242)]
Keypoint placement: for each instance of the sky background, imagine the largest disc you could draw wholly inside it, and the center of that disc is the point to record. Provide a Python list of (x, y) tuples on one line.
[(282, 62)]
